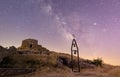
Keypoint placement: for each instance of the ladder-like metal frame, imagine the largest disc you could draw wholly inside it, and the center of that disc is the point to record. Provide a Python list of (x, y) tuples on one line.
[(75, 51)]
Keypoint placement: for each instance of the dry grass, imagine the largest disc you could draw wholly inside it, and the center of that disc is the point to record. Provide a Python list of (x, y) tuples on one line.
[(105, 71), (46, 67), (114, 72)]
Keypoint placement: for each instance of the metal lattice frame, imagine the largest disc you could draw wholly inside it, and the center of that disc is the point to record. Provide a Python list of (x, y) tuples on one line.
[(75, 51)]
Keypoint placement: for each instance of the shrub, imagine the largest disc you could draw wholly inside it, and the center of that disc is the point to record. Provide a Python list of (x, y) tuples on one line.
[(19, 61), (7, 62), (32, 63), (97, 62)]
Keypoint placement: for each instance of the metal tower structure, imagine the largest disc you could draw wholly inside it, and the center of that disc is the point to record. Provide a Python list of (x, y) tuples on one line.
[(75, 51)]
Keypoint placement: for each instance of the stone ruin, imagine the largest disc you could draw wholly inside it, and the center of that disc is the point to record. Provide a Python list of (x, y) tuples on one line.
[(30, 44)]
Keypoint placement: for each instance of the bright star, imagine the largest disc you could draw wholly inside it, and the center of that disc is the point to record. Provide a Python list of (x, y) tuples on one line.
[(94, 23)]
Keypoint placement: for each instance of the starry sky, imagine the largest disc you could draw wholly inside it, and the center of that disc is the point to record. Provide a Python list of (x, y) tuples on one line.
[(95, 24)]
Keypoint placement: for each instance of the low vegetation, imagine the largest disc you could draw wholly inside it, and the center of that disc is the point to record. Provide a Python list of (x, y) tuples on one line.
[(97, 62), (19, 61)]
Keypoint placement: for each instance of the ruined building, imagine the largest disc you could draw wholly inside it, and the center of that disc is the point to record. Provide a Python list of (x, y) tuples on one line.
[(32, 46), (29, 44)]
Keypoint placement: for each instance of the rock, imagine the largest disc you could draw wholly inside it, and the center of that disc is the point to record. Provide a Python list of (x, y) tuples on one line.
[(86, 65), (3, 52), (12, 50), (62, 60)]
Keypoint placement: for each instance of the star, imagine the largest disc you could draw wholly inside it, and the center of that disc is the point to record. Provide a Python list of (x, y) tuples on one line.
[(94, 23)]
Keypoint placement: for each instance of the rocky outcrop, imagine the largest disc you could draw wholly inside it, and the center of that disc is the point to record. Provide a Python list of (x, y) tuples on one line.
[(4, 52), (86, 65), (62, 60)]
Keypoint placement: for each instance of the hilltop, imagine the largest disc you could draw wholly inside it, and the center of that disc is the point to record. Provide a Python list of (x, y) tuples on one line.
[(33, 60)]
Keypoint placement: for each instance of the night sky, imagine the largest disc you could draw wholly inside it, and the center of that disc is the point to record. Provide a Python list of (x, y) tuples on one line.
[(95, 24)]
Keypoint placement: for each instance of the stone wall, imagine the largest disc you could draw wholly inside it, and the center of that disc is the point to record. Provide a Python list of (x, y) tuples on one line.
[(30, 44)]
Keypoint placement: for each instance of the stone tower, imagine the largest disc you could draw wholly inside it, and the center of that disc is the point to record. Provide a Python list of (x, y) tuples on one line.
[(30, 44)]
